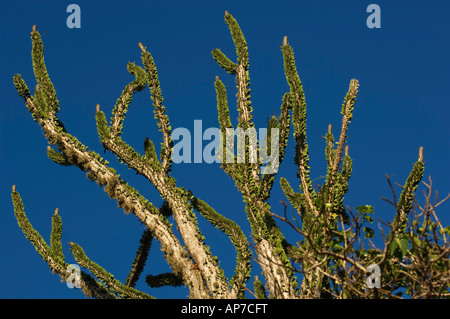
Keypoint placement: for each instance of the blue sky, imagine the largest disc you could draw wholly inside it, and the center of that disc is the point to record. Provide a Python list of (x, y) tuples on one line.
[(403, 70)]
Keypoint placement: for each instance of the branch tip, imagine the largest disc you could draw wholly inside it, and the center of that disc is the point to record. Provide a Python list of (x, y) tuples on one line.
[(346, 150), (97, 107), (285, 40), (217, 78), (14, 188), (354, 84), (141, 46), (56, 211), (329, 128), (421, 154), (33, 29)]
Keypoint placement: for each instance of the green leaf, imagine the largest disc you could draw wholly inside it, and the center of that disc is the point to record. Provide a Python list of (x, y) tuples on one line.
[(403, 244), (238, 39), (30, 233), (369, 232), (21, 86), (102, 125), (224, 61), (55, 237), (368, 218), (393, 248), (57, 157), (162, 280), (368, 209), (445, 230), (318, 202), (260, 292), (398, 247), (417, 242)]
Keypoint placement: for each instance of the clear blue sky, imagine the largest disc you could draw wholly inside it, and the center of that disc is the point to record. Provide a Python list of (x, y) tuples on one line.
[(403, 69)]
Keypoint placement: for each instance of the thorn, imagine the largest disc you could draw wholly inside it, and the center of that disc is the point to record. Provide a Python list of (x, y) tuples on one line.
[(56, 211), (285, 40), (421, 154), (14, 188), (97, 107)]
